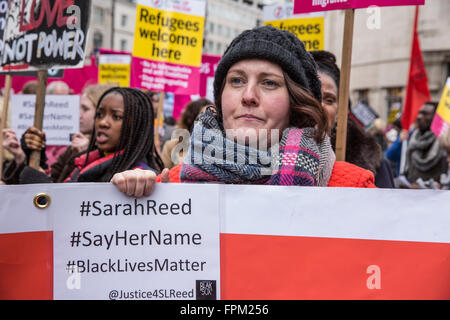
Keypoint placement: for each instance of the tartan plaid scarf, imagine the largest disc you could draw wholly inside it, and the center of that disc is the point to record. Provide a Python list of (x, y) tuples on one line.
[(299, 159)]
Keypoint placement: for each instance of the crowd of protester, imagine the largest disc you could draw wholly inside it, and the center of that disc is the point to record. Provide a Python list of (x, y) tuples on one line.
[(265, 82)]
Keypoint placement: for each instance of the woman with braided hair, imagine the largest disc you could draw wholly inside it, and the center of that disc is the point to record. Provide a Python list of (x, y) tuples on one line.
[(122, 139), (265, 87)]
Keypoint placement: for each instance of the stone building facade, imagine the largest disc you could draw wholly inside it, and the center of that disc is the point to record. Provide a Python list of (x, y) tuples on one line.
[(381, 57)]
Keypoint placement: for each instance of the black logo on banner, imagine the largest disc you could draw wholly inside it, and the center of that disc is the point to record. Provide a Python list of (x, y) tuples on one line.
[(206, 290)]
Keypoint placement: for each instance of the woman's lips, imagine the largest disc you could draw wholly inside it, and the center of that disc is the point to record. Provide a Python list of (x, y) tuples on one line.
[(249, 117), (102, 137)]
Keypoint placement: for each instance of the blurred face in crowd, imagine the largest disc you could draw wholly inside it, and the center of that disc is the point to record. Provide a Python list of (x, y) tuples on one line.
[(425, 117), (255, 97), (108, 122), (87, 115), (329, 97), (58, 88)]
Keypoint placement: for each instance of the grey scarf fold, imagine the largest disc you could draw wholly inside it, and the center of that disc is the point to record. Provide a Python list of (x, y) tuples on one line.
[(425, 152)]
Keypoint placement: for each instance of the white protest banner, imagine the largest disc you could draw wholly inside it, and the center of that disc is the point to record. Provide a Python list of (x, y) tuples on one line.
[(307, 27), (275, 242), (163, 247), (42, 34), (363, 114), (61, 116)]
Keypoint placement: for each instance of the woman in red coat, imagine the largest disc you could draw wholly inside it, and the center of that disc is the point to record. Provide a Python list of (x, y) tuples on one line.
[(267, 126)]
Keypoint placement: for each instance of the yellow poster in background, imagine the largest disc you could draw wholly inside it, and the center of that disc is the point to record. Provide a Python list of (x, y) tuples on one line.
[(114, 69), (309, 28), (167, 34), (443, 109)]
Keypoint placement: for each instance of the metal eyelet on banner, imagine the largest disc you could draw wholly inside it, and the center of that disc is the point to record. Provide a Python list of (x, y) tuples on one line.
[(41, 200)]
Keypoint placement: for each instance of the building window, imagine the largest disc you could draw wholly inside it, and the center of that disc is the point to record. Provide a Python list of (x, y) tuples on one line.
[(123, 45), (98, 40), (124, 20), (210, 46), (219, 30), (211, 9), (98, 15), (363, 96), (211, 27)]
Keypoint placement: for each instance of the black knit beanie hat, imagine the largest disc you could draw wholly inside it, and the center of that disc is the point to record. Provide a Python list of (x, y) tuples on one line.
[(278, 46)]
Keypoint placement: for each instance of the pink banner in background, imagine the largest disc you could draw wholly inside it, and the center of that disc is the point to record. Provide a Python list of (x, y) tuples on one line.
[(179, 104), (306, 6), (207, 70), (165, 77), (77, 79), (439, 126)]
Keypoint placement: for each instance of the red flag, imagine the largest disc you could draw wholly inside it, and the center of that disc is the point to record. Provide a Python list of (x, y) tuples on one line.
[(417, 92)]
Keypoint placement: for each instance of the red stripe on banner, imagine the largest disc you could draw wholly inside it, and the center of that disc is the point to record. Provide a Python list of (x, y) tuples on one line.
[(16, 67), (284, 267), (257, 267), (26, 266)]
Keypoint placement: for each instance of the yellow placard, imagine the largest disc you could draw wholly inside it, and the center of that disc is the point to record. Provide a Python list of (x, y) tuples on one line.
[(309, 30), (444, 105), (392, 116), (116, 74), (168, 36)]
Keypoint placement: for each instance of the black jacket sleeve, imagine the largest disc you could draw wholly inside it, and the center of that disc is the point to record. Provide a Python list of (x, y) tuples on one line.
[(30, 176), (11, 172), (384, 177)]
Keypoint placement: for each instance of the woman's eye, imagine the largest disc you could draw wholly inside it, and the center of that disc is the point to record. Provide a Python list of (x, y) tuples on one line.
[(117, 117), (98, 115), (236, 81), (270, 83)]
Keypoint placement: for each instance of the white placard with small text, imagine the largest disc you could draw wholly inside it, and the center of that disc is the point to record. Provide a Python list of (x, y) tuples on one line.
[(61, 116), (110, 246)]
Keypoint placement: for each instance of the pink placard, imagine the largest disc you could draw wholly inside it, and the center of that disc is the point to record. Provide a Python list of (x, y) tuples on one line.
[(164, 77), (179, 104), (77, 79), (306, 6), (439, 126), (207, 70)]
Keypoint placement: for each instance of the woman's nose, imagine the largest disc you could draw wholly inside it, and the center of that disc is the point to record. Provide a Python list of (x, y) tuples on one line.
[(250, 95), (104, 122)]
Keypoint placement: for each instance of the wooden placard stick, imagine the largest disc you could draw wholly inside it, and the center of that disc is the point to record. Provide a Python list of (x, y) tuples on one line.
[(344, 86), (35, 157), (7, 93)]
